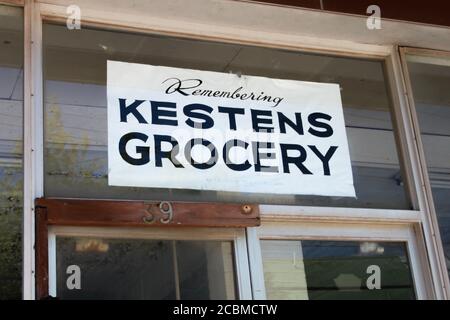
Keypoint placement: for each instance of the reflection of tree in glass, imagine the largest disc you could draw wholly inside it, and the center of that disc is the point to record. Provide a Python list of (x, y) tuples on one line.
[(67, 156), (119, 256), (11, 209)]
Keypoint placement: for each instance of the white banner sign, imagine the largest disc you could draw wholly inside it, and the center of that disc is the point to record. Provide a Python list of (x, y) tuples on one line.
[(191, 129)]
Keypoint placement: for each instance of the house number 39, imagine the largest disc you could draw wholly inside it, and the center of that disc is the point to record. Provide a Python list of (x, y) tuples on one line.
[(166, 212)]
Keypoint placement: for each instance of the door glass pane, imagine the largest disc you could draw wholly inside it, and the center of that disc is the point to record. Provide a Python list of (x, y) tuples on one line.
[(313, 270), (11, 151), (430, 79), (97, 268), (76, 121)]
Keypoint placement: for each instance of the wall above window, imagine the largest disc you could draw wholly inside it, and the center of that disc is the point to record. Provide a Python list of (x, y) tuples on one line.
[(430, 12)]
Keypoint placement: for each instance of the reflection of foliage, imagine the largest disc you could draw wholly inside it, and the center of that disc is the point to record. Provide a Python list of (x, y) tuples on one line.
[(68, 156), (119, 254), (11, 209)]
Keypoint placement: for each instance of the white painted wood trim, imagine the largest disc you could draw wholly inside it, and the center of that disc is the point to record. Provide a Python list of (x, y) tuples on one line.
[(418, 273), (169, 233), (224, 33), (237, 235), (429, 219), (282, 212), (356, 232), (19, 3), (256, 264), (242, 267), (421, 52), (28, 212), (33, 139), (52, 285)]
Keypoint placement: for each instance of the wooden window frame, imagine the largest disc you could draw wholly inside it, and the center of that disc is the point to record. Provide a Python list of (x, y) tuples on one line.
[(319, 40), (431, 219), (134, 214), (299, 229)]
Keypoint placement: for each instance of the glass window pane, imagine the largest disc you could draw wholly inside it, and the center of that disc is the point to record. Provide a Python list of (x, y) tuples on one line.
[(430, 79), (11, 151), (143, 269), (313, 270), (75, 112), (205, 270)]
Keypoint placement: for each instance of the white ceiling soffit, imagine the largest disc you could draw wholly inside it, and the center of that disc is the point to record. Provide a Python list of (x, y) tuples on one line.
[(222, 16)]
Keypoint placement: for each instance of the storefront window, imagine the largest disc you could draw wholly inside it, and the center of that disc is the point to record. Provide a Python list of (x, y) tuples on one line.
[(11, 151), (143, 269), (430, 79), (320, 270), (75, 112)]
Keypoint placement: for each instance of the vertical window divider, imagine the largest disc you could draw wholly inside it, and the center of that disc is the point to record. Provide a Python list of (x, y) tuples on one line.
[(176, 271), (33, 138), (28, 219), (255, 264), (407, 138), (428, 215)]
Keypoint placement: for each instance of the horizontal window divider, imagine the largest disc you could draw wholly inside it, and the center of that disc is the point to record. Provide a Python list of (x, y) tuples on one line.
[(146, 213), (288, 230), (286, 213), (141, 23), (19, 3), (187, 233)]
